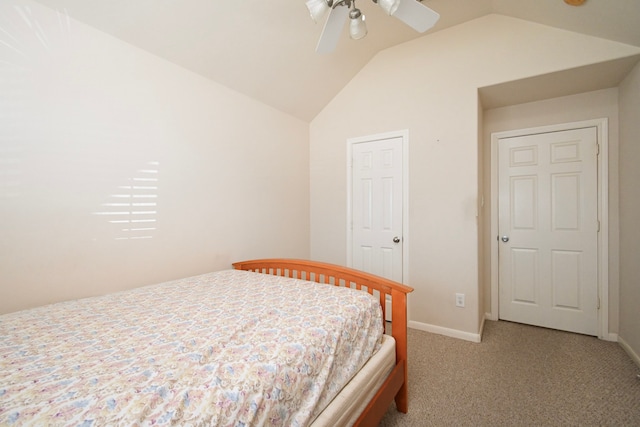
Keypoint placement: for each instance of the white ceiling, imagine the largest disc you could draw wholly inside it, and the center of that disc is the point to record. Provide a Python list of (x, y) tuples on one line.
[(266, 48)]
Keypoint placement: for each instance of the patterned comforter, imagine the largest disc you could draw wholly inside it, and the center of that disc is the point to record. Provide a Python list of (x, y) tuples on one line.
[(231, 348)]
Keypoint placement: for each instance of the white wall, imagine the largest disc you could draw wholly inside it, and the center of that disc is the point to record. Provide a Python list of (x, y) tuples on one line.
[(585, 106), (429, 86), (81, 114), (630, 213)]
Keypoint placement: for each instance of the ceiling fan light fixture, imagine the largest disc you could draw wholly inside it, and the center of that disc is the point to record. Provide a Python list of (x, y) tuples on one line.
[(411, 12), (317, 8), (389, 6), (357, 25)]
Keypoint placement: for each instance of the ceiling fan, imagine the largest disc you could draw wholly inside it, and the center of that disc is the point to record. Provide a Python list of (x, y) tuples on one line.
[(411, 12)]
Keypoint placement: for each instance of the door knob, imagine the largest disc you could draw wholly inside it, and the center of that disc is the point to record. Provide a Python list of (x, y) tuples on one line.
[(396, 239), (505, 239)]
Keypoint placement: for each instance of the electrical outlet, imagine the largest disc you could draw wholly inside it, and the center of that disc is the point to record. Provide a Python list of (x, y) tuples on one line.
[(459, 300)]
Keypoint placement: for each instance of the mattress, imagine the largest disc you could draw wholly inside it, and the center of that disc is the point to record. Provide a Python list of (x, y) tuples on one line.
[(345, 409), (225, 348)]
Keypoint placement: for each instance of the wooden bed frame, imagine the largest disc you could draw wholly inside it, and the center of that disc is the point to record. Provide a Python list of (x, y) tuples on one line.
[(395, 386)]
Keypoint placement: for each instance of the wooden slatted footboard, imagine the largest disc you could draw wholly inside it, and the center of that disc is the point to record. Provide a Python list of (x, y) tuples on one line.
[(395, 387)]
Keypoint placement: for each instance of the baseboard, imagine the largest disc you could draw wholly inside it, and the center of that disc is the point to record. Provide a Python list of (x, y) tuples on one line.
[(611, 336), (481, 328), (453, 333), (627, 348)]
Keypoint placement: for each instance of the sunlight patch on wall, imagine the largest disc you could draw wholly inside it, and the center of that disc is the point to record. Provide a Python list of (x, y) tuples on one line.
[(23, 36), (26, 42), (132, 210)]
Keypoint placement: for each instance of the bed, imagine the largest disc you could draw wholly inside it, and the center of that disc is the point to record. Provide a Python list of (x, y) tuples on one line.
[(252, 345)]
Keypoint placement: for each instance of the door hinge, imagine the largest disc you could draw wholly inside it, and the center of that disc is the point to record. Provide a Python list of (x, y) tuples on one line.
[(597, 150), (598, 226), (598, 303)]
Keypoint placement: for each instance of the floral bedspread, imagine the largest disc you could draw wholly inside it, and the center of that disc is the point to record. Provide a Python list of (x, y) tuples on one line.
[(230, 348)]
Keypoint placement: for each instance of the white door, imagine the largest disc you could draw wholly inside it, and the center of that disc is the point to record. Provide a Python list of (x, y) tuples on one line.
[(548, 225), (377, 203)]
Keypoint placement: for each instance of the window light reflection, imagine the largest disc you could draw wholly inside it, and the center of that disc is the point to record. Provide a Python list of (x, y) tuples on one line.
[(137, 201)]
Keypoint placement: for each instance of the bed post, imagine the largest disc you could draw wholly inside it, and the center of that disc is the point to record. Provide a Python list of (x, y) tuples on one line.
[(399, 331)]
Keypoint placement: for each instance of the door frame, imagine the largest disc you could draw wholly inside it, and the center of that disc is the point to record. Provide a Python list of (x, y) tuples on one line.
[(601, 126), (404, 134)]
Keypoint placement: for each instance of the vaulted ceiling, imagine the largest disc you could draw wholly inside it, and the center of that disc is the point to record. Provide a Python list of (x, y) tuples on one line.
[(266, 48)]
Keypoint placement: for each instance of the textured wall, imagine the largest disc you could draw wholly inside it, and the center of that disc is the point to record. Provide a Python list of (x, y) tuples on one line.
[(120, 169), (630, 212), (430, 87)]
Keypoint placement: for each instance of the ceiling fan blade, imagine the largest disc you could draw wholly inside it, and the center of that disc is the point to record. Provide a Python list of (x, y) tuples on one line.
[(416, 15), (332, 29)]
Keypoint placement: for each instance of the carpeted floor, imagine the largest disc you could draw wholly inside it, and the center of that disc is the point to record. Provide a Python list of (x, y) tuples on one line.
[(518, 375)]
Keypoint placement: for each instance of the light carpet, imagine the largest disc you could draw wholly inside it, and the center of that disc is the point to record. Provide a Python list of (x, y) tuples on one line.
[(519, 375)]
